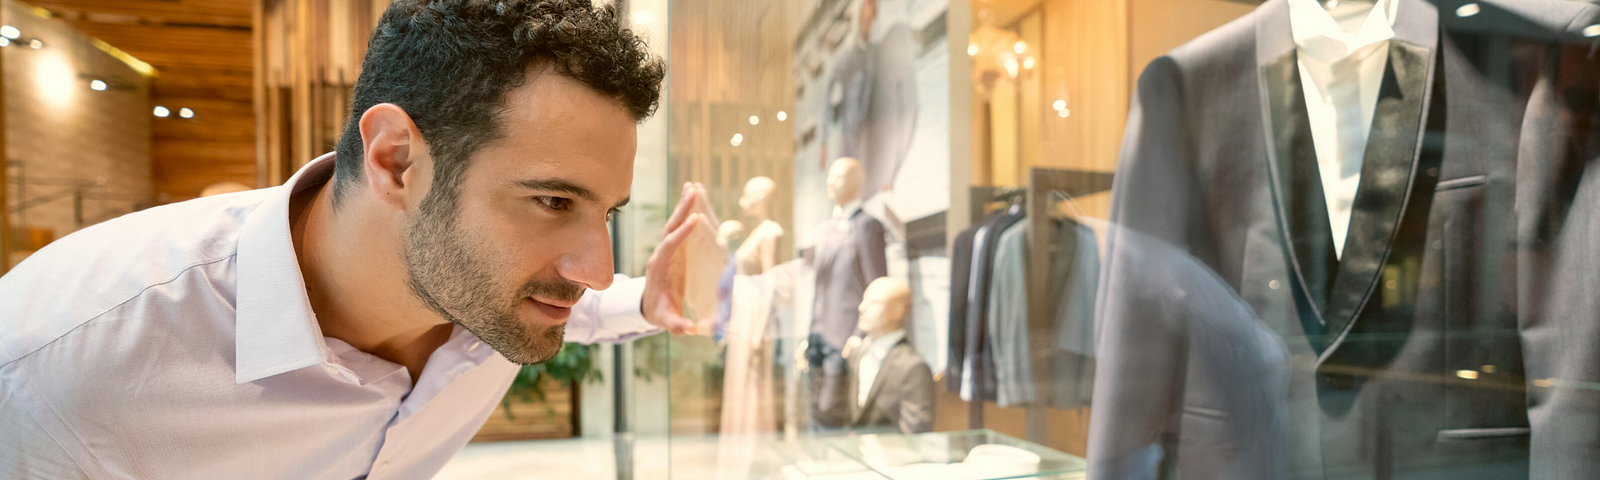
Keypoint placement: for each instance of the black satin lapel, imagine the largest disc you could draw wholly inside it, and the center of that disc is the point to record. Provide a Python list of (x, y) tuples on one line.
[(1386, 174), (1303, 215)]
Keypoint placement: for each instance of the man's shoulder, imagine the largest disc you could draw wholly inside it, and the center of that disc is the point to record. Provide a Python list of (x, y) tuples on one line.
[(99, 268)]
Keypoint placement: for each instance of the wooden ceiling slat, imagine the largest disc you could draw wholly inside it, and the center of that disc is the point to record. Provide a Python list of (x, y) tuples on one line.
[(231, 13)]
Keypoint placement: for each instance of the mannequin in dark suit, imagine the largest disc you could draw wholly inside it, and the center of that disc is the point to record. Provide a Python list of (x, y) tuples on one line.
[(901, 391), (850, 253), (1451, 337)]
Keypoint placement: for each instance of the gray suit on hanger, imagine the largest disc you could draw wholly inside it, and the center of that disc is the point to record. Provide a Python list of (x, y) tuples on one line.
[(1459, 333)]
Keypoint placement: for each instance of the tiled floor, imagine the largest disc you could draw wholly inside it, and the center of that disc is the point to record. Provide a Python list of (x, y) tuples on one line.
[(576, 458)]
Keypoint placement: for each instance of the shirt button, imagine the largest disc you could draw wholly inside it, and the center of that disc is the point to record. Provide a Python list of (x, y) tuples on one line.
[(474, 346)]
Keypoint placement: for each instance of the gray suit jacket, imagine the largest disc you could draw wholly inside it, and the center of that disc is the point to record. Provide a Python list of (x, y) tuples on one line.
[(901, 396), (1453, 336), (849, 256)]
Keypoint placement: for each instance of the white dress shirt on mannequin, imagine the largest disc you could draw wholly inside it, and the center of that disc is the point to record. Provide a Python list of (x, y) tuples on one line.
[(1342, 51), (872, 360)]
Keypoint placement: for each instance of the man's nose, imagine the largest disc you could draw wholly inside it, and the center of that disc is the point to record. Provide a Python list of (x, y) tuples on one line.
[(588, 260)]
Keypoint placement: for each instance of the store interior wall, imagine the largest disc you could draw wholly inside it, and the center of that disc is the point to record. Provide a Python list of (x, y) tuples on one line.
[(75, 155)]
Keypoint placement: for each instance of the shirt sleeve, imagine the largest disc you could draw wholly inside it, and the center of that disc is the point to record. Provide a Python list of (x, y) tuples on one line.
[(611, 315)]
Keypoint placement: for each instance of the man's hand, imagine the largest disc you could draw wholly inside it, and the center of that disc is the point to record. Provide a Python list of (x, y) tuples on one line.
[(664, 287)]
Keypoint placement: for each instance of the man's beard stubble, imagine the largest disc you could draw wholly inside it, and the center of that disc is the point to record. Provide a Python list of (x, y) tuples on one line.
[(452, 276)]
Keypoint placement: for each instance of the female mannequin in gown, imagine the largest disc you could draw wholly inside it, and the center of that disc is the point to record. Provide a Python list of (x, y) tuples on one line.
[(748, 401)]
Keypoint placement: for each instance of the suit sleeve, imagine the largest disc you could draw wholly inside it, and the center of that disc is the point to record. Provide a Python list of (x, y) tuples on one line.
[(874, 257), (1141, 354), (916, 407)]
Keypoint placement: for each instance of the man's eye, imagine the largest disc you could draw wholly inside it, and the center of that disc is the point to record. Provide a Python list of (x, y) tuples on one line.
[(555, 203)]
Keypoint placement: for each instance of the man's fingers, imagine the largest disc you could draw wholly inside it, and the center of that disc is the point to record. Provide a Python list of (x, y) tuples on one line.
[(675, 237), (685, 204)]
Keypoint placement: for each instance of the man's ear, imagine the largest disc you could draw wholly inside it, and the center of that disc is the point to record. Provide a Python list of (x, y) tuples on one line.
[(393, 155)]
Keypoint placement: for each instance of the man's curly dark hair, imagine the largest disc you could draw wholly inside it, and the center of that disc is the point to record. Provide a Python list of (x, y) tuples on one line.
[(450, 63)]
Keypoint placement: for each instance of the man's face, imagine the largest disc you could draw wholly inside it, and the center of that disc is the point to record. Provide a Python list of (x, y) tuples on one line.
[(527, 231), (871, 310)]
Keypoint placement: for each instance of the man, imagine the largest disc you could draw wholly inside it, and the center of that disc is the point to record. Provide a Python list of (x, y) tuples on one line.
[(334, 327)]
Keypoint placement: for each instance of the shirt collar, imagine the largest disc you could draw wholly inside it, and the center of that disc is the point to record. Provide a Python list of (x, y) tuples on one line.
[(1318, 36), (847, 210), (880, 346), (276, 331)]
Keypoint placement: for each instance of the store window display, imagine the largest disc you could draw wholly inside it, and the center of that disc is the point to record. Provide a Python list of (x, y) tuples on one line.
[(1429, 275), (893, 386)]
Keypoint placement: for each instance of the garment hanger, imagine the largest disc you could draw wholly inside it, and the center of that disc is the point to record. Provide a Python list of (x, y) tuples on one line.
[(1056, 198)]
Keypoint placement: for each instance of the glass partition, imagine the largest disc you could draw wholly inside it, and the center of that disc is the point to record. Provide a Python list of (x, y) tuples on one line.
[(1137, 238)]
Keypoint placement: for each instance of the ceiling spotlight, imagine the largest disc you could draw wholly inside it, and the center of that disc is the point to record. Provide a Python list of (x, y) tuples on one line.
[(782, 115), (1019, 47), (738, 138), (1027, 63), (1059, 105), (754, 120), (10, 32), (186, 112), (1063, 113), (972, 50), (97, 85), (5, 42), (162, 111), (35, 44)]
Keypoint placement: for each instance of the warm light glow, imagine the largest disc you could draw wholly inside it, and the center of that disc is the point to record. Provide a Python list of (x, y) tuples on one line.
[(1064, 113), (1011, 66), (644, 17), (162, 111), (97, 85), (754, 120), (1467, 10), (1020, 47), (738, 138), (35, 44), (1467, 374), (186, 113), (10, 32), (782, 115), (55, 80), (5, 42), (1059, 105), (972, 50), (1027, 63), (1591, 31)]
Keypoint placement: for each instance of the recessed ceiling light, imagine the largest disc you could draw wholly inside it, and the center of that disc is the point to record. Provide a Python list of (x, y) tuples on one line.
[(10, 32), (162, 111), (186, 112), (97, 85)]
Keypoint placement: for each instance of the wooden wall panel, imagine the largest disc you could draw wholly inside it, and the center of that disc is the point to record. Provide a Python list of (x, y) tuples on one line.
[(201, 50)]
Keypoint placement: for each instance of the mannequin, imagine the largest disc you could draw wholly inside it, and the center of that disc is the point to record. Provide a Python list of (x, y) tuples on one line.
[(892, 385), (748, 400), (849, 254), (759, 251)]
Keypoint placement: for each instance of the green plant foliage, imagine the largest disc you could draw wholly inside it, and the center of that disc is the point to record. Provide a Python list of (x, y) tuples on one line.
[(572, 365)]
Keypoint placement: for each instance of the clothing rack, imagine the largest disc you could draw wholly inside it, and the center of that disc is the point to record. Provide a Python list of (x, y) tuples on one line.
[(1035, 197)]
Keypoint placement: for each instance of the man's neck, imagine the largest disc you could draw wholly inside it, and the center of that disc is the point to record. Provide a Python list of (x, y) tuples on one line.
[(352, 266)]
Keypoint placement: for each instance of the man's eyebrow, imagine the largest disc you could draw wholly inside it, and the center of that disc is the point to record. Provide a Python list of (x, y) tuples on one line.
[(621, 203), (561, 186)]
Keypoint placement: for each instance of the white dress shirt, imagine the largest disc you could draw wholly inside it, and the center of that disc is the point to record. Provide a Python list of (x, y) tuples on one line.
[(844, 212), (1342, 51), (872, 360), (178, 342)]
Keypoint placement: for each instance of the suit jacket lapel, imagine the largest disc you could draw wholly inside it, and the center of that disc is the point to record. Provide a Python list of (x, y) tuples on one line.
[(1287, 131), (1387, 173), (877, 384)]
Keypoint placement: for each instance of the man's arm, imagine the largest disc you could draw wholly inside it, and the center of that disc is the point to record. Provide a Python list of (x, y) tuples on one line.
[(26, 449)]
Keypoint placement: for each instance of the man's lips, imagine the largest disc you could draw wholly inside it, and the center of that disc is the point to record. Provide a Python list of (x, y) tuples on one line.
[(557, 313)]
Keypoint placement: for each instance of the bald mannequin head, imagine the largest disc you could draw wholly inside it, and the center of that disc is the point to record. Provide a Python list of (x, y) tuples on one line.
[(884, 306), (756, 192), (845, 177)]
